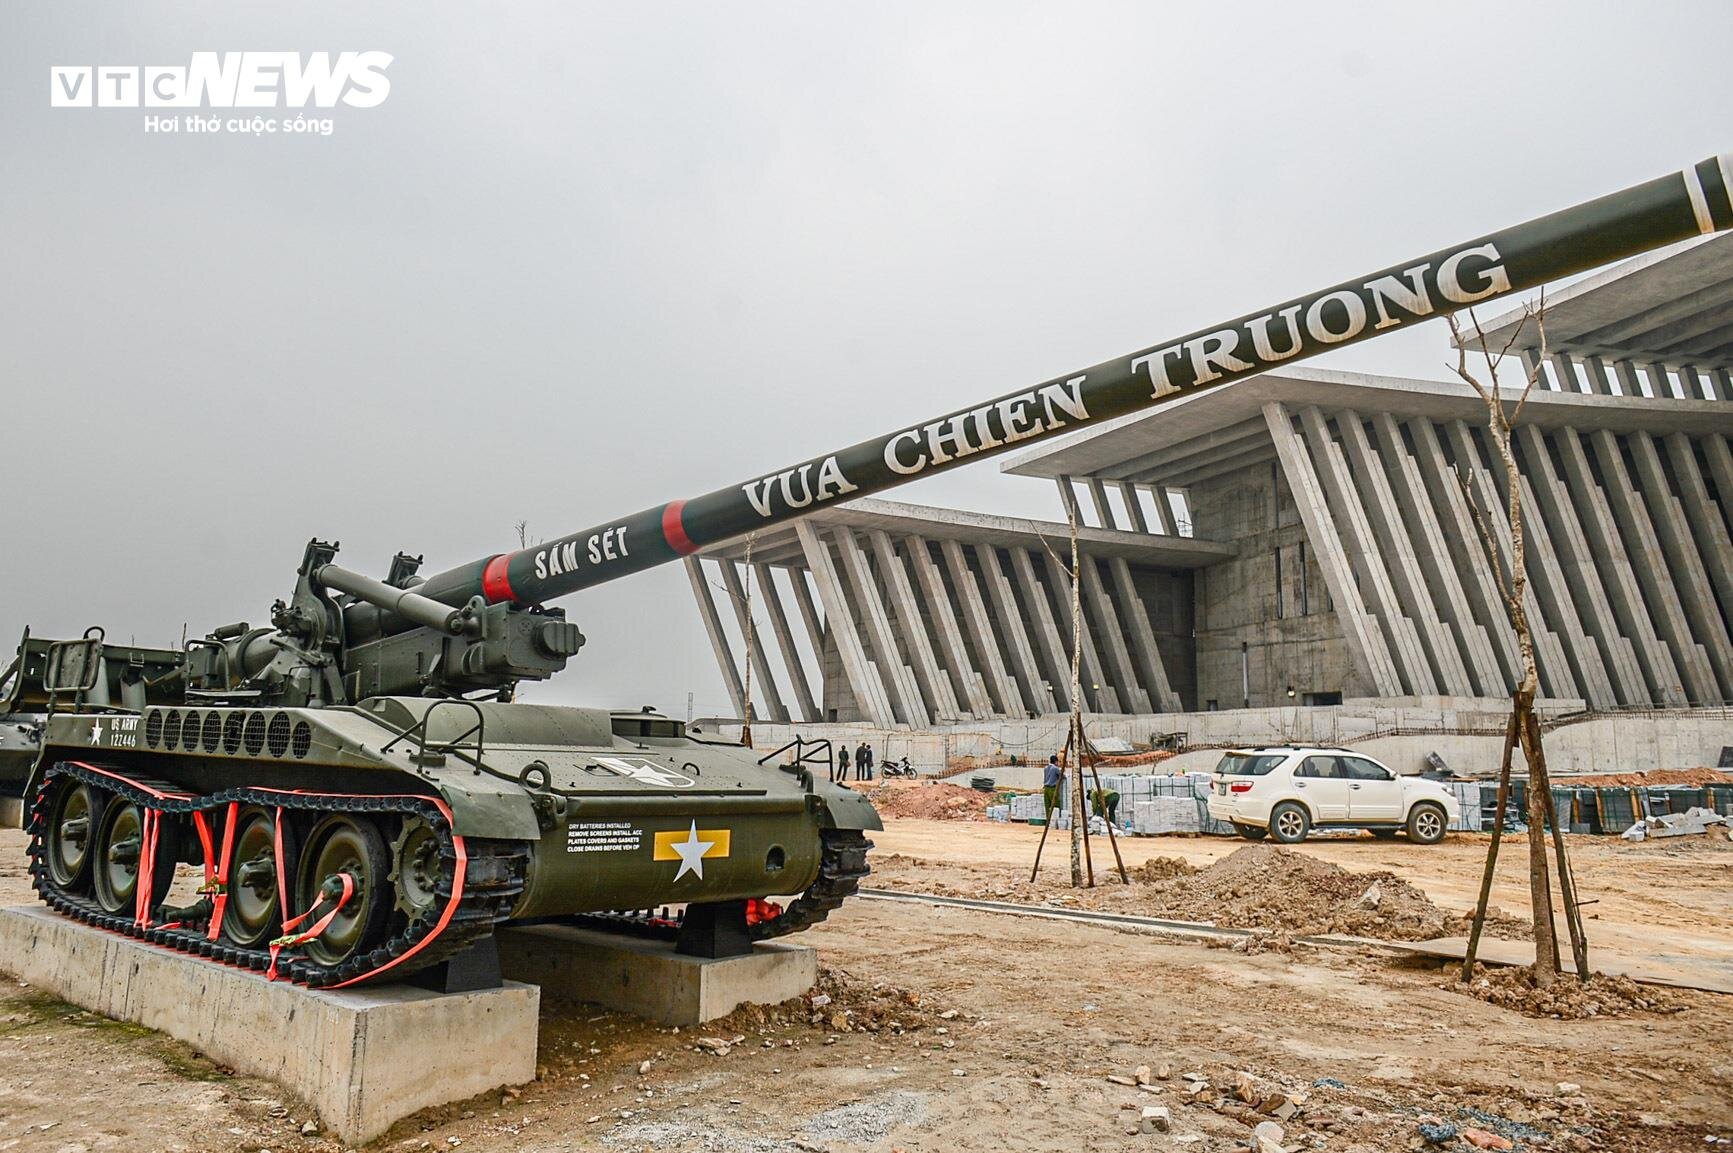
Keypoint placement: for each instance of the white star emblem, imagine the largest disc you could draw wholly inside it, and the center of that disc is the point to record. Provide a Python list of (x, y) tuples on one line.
[(691, 852), (95, 732)]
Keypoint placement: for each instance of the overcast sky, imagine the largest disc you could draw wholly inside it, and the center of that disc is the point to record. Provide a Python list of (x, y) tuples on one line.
[(586, 258)]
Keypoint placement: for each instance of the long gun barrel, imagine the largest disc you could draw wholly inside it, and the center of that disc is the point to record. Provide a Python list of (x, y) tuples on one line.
[(1676, 207)]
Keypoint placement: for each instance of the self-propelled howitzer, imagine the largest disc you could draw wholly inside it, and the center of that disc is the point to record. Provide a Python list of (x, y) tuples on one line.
[(365, 799)]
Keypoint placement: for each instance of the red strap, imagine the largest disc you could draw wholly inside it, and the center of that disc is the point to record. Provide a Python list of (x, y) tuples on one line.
[(282, 877), (220, 901), (319, 926), (204, 828), (459, 871), (142, 888)]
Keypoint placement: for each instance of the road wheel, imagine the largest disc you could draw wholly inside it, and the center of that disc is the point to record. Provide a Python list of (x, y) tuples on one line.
[(71, 827), (251, 917), (345, 844), (1251, 832), (119, 853), (1426, 824), (1289, 822)]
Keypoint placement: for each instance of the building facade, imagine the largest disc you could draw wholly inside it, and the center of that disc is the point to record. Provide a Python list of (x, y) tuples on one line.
[(1298, 538)]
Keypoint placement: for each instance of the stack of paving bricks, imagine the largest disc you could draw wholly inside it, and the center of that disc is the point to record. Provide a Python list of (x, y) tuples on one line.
[(1160, 814)]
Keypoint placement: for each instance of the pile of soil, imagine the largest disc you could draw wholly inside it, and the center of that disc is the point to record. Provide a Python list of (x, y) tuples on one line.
[(1567, 998), (1650, 777), (1268, 887), (1161, 869), (927, 800)]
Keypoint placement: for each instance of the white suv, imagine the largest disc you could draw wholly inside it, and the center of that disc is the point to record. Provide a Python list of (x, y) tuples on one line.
[(1286, 792)]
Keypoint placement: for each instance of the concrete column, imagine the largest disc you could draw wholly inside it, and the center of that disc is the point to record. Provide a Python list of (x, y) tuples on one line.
[(1343, 495), (1133, 506), (1689, 577), (772, 598), (875, 622), (764, 683), (1163, 512), (1579, 567), (1660, 381), (1068, 500), (1132, 697), (1630, 383), (968, 684), (1703, 519), (1432, 555), (1596, 370), (1103, 507), (1696, 383), (1143, 644), (1530, 362), (718, 639), (1053, 652), (1365, 639), (1009, 618), (933, 683), (1720, 458), (1089, 666), (1649, 563), (1397, 551), (1468, 551), (1624, 595), (978, 627), (1722, 379), (1566, 373), (863, 675), (815, 629), (1551, 604)]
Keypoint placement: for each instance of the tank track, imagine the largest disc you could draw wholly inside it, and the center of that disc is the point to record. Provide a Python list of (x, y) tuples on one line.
[(842, 867), (493, 879)]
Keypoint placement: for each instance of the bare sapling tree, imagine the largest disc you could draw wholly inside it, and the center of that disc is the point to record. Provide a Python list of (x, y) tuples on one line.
[(1504, 540), (1079, 752)]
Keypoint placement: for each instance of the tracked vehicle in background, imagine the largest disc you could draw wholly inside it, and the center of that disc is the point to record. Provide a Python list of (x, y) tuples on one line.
[(367, 800)]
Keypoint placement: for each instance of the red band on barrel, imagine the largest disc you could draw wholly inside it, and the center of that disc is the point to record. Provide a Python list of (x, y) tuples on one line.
[(675, 532), (496, 580)]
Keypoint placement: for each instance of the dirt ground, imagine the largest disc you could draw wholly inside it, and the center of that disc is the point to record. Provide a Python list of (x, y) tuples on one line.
[(974, 1031)]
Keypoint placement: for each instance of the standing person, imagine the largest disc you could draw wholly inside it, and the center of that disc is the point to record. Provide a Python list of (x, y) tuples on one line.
[(1050, 785), (840, 773), (860, 761), (868, 765)]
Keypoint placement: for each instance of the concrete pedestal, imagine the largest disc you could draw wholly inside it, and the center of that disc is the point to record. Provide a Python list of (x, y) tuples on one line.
[(11, 812), (363, 1058), (647, 978)]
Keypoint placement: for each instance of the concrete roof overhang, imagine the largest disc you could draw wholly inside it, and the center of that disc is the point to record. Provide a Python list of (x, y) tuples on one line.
[(1673, 306), (780, 546), (1166, 443)]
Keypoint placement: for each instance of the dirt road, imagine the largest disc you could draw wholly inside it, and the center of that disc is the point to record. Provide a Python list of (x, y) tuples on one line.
[(1673, 898), (1004, 1041)]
